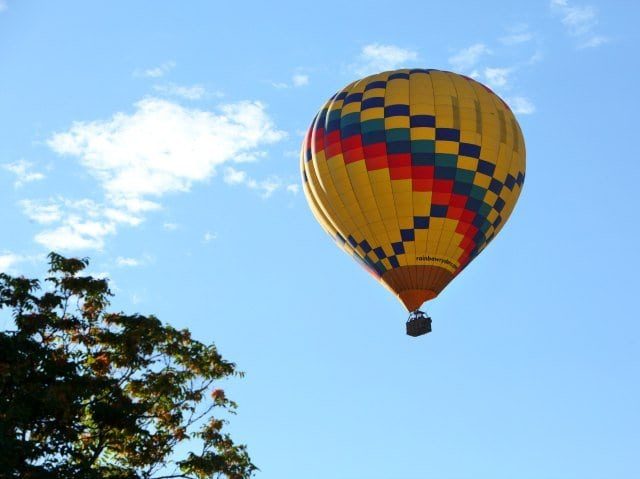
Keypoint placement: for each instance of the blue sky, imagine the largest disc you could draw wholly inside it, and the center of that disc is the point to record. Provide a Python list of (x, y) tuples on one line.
[(161, 140)]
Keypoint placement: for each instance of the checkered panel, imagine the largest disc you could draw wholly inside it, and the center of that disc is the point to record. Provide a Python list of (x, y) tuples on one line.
[(413, 167)]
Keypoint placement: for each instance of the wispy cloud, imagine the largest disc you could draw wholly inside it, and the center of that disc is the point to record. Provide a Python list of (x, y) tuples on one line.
[(170, 226), (521, 105), (209, 237), (594, 41), (127, 262), (137, 298), (579, 22), (300, 80), (3, 6), (41, 212), (516, 38), (74, 224), (137, 158), (157, 71), (193, 92), (293, 188), (24, 172), (377, 57), (77, 224), (497, 77), (467, 58), (297, 80), (518, 33), (474, 59), (266, 187), (9, 260)]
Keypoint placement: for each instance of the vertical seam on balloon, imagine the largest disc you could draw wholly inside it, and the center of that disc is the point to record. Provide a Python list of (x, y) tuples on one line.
[(498, 107), (308, 187), (430, 272), (481, 131), (479, 88), (395, 208), (507, 200), (372, 234), (335, 219), (519, 168), (355, 228), (313, 178), (448, 247), (367, 233), (407, 271), (457, 159), (371, 184), (413, 280), (420, 270)]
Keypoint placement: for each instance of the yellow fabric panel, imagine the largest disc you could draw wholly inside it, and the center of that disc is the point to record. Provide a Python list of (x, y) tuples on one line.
[(345, 190), (447, 147), (396, 122), (423, 133), (397, 92)]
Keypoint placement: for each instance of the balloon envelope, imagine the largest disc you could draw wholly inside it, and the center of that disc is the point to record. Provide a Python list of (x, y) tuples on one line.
[(413, 173)]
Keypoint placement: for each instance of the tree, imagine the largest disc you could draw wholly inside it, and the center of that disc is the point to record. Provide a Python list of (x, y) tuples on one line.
[(88, 393)]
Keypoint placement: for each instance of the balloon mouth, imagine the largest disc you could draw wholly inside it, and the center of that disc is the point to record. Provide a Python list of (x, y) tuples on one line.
[(415, 284), (414, 298)]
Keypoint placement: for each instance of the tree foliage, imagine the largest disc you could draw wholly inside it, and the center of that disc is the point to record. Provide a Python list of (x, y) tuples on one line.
[(88, 393)]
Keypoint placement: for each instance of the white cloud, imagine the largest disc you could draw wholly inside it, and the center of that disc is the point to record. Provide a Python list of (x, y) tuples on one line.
[(234, 177), (160, 148), (76, 234), (24, 172), (193, 92), (75, 224), (156, 72), (122, 216), (376, 57), (293, 188), (497, 77), (41, 212), (521, 105), (9, 260), (163, 147), (300, 80), (130, 262), (208, 237), (579, 21), (467, 58)]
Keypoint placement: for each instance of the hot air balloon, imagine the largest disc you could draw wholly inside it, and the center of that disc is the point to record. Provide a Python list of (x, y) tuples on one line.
[(413, 173)]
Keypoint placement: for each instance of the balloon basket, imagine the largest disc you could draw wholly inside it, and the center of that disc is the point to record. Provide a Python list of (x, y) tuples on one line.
[(418, 324)]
